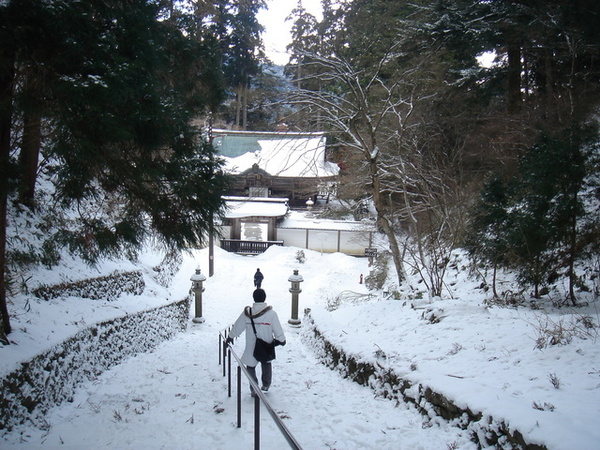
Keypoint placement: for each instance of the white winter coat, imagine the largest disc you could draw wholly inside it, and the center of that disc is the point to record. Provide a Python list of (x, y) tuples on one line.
[(267, 326)]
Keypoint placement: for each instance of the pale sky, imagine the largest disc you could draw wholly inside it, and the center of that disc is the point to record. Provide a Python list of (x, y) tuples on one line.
[(277, 31)]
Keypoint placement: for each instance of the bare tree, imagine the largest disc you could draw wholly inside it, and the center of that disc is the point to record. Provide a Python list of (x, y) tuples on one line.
[(432, 206), (368, 115)]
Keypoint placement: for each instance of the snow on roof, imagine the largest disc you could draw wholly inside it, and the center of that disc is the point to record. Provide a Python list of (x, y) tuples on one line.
[(234, 143), (240, 207), (299, 219), (286, 157)]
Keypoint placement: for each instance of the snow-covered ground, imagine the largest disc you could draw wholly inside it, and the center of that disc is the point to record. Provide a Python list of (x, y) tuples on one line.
[(175, 397)]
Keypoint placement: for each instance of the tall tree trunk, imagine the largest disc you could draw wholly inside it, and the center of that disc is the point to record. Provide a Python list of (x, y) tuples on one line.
[(6, 328), (7, 74), (549, 77), (238, 107), (513, 54), (245, 90), (384, 221), (29, 157), (495, 272), (572, 253), (299, 74)]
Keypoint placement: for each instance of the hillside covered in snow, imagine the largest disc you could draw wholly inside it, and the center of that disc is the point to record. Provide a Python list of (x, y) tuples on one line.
[(529, 368)]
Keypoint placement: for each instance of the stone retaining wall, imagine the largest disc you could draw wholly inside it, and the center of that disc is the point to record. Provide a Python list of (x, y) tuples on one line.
[(486, 431), (108, 287), (52, 377)]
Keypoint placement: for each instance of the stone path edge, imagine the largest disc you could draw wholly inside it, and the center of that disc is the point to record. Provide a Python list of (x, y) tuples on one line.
[(486, 430)]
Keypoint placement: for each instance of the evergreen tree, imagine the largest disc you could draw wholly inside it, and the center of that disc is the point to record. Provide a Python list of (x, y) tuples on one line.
[(238, 30), (545, 78), (547, 54), (114, 87), (486, 239), (534, 223), (305, 40), (548, 207), (266, 110)]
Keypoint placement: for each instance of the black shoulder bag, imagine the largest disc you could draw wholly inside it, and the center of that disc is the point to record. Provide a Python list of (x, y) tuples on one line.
[(263, 350)]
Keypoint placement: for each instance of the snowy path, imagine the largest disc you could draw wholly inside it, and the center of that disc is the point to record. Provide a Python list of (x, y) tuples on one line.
[(170, 398), (479, 356), (176, 396)]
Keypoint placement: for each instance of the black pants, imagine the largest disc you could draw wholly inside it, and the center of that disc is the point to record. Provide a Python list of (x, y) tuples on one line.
[(265, 376)]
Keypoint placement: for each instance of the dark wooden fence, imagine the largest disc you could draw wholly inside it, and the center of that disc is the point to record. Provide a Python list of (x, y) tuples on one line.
[(247, 247)]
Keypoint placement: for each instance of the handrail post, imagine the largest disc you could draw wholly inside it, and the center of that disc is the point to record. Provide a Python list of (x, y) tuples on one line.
[(239, 397), (256, 423), (224, 356), (229, 373)]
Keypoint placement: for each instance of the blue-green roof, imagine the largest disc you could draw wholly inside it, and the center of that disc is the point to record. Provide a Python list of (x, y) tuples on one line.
[(236, 143)]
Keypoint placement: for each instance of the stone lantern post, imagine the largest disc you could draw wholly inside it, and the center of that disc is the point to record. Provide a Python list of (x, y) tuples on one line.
[(309, 207), (197, 279), (295, 279)]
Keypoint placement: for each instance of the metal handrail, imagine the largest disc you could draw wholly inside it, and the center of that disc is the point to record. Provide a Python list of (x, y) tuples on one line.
[(260, 397)]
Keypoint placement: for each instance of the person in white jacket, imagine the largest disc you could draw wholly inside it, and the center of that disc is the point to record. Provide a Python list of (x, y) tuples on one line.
[(268, 328)]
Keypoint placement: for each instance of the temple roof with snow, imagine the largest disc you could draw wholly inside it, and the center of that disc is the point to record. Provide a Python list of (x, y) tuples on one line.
[(243, 207), (280, 154)]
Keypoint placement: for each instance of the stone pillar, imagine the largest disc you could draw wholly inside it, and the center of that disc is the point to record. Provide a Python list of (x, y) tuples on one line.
[(197, 279), (295, 279)]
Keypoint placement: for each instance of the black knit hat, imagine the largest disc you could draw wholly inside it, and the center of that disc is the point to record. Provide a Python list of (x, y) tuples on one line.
[(259, 295)]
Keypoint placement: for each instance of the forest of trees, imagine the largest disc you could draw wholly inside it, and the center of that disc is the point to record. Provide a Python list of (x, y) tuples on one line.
[(98, 98), (501, 159), (101, 97)]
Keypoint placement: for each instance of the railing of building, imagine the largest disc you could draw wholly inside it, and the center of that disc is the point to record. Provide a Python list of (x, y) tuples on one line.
[(349, 241), (247, 247)]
